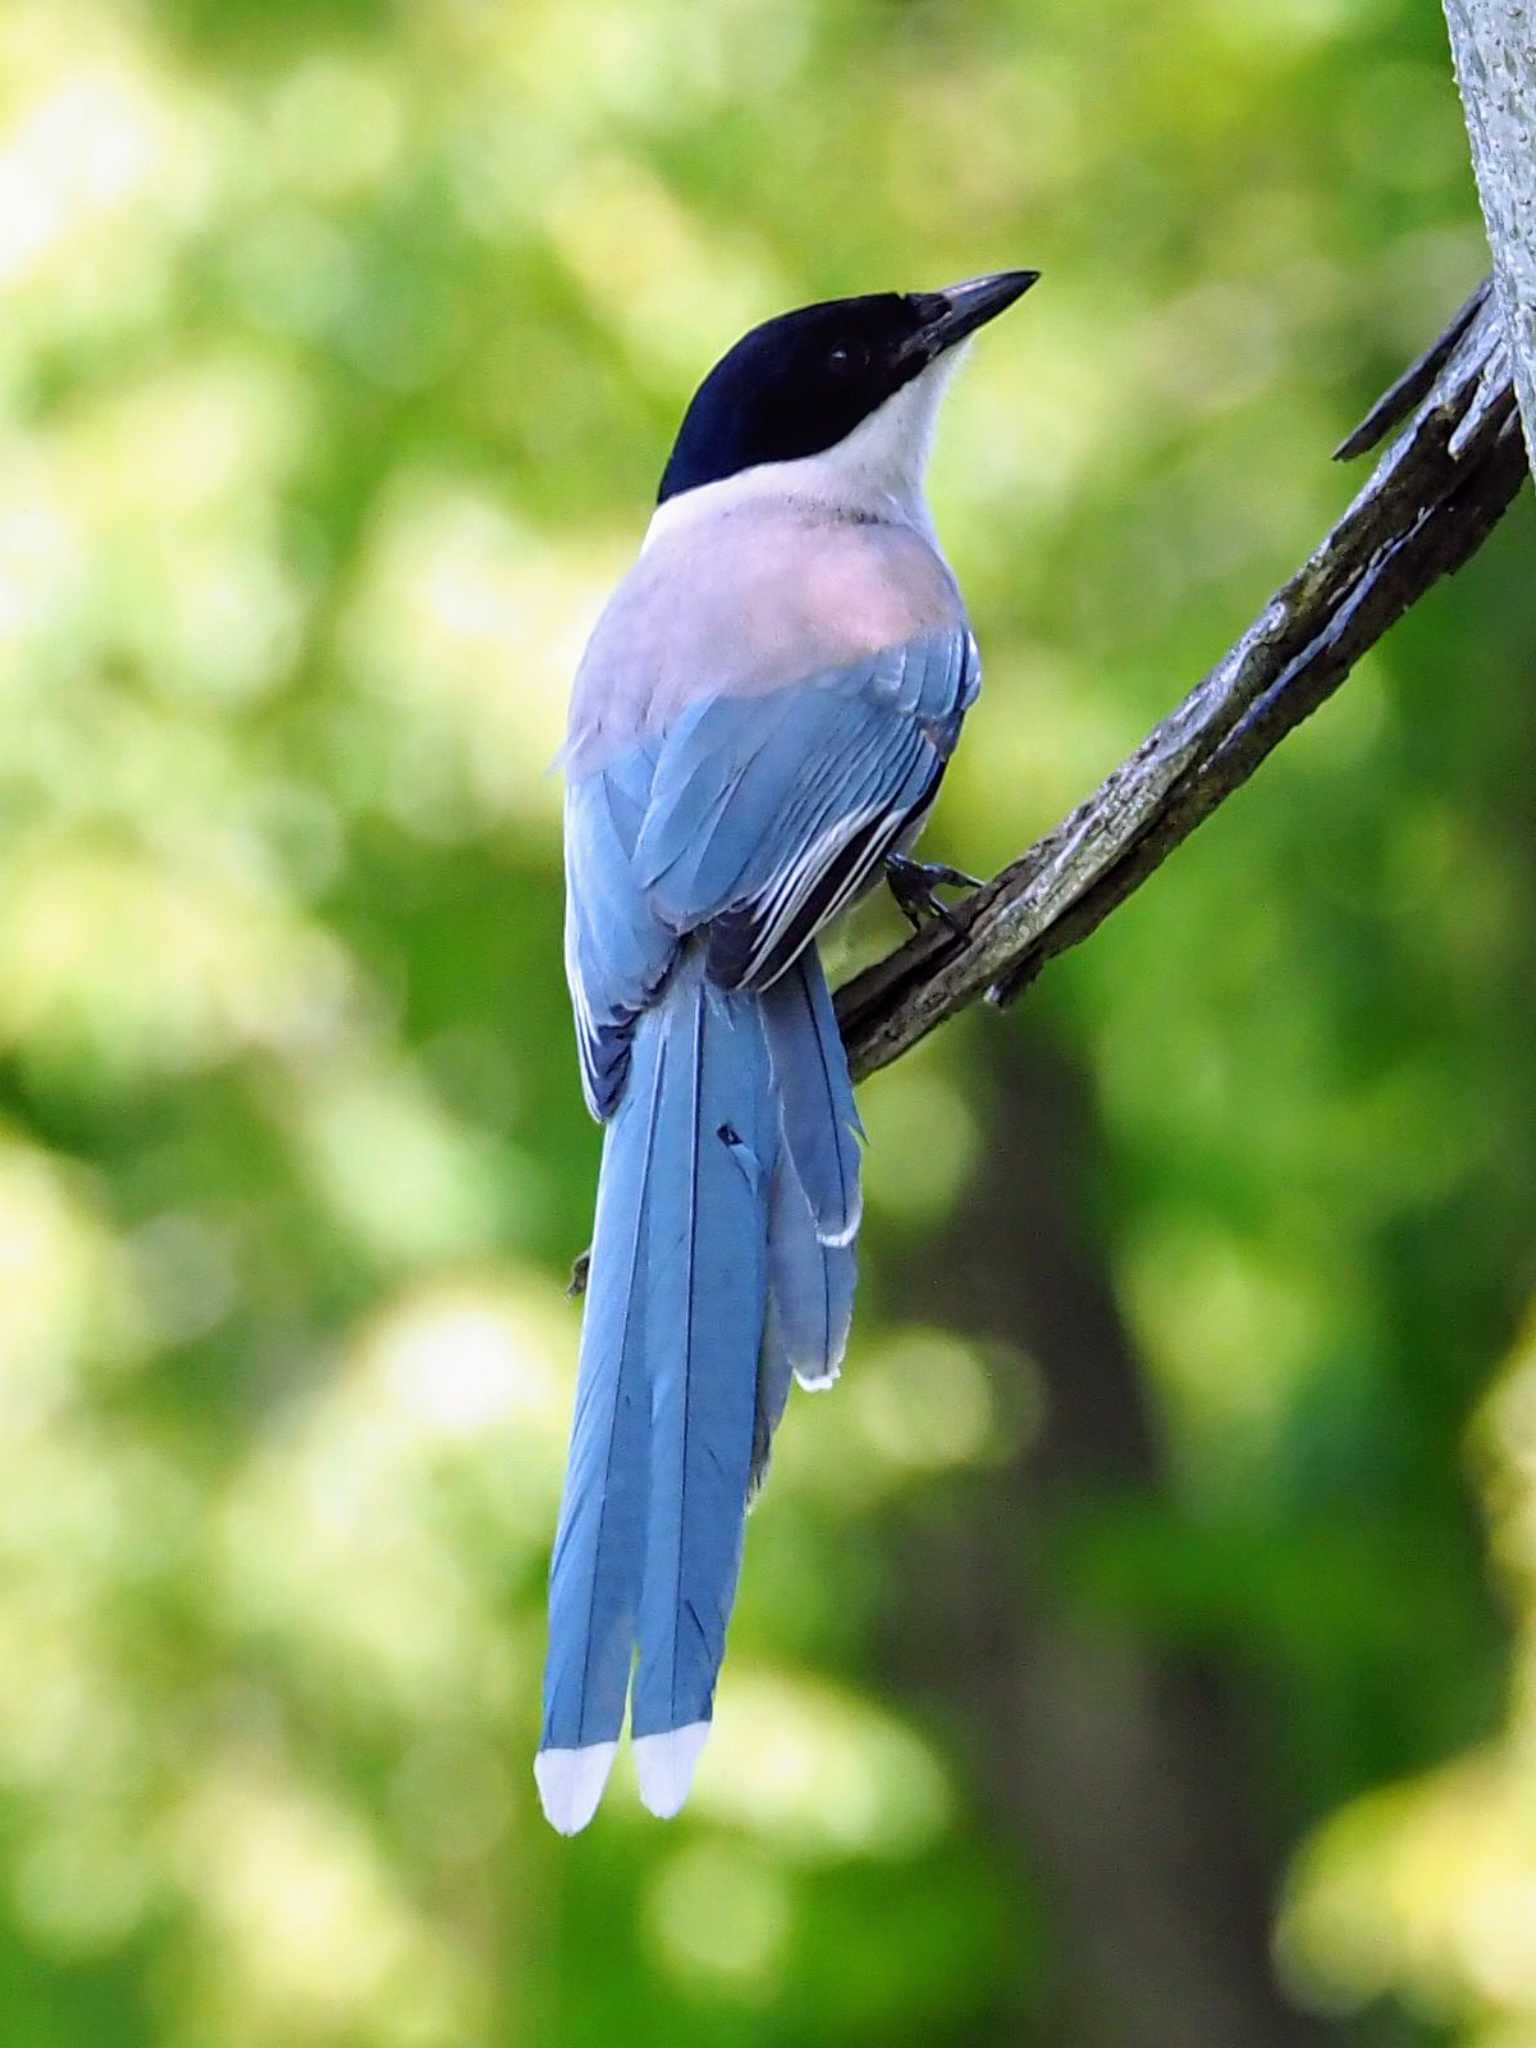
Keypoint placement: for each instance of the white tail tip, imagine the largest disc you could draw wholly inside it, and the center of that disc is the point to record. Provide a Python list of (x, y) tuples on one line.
[(571, 1783), (818, 1382), (665, 1764), (836, 1239)]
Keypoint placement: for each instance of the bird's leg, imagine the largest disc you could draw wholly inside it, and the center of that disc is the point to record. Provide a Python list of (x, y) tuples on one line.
[(913, 882)]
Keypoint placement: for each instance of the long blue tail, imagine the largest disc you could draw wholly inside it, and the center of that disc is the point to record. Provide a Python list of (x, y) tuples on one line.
[(722, 1265)]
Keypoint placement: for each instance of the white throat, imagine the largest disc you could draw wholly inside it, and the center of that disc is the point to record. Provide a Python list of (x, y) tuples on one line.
[(875, 473)]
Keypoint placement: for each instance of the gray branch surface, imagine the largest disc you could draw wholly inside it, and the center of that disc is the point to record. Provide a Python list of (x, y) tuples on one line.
[(1493, 43), (1436, 494)]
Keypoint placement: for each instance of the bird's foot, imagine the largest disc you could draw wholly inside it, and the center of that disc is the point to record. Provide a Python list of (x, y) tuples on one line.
[(913, 883)]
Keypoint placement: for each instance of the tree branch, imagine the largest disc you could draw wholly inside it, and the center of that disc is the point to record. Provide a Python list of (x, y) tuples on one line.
[(1436, 494)]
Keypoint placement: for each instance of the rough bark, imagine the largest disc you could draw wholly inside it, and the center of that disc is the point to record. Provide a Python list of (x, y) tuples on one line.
[(1493, 43)]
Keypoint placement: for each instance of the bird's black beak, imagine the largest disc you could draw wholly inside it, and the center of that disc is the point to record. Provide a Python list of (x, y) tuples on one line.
[(949, 316)]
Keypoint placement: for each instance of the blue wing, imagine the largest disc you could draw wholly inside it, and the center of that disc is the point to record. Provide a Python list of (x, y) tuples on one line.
[(769, 814), (754, 819), (617, 952)]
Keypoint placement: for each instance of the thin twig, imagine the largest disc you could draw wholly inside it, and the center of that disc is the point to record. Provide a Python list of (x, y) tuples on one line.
[(1436, 494)]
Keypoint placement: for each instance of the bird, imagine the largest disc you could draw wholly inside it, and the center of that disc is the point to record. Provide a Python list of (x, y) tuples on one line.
[(758, 730)]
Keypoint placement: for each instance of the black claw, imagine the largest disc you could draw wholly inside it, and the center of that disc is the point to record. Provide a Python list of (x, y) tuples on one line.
[(950, 878), (913, 882)]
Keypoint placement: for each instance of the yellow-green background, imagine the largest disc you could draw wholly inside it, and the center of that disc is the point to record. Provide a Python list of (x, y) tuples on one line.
[(1161, 1581)]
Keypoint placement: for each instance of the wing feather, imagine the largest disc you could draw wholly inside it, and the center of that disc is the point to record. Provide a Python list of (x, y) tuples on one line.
[(770, 813), (754, 818)]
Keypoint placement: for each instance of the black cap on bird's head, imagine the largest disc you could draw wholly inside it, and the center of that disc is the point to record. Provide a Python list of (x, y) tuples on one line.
[(801, 383)]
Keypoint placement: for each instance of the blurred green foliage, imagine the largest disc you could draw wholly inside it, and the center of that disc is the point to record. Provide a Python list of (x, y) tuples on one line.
[(341, 347)]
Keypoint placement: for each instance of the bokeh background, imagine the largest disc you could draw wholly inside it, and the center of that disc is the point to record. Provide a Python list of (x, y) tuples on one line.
[(1139, 1648)]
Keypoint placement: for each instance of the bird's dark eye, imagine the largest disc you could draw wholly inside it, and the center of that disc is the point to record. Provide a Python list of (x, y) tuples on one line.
[(845, 359)]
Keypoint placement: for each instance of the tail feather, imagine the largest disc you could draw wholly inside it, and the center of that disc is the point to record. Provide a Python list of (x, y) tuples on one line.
[(599, 1554), (709, 1229), (721, 1268), (810, 1074), (774, 1375), (810, 1308), (810, 1286)]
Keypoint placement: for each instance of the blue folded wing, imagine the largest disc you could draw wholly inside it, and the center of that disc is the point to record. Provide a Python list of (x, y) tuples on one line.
[(617, 953), (768, 814), (756, 817)]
